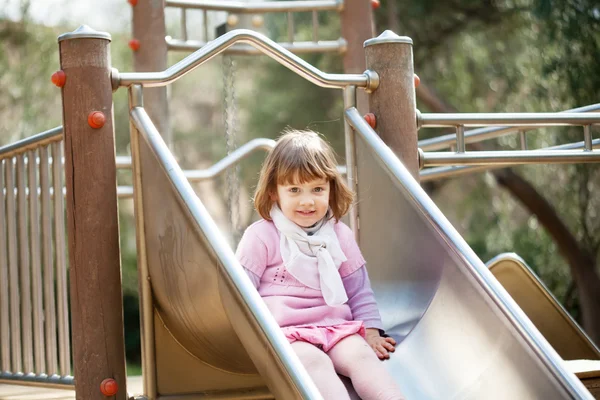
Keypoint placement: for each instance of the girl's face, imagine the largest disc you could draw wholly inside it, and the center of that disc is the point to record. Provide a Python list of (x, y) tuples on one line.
[(304, 204)]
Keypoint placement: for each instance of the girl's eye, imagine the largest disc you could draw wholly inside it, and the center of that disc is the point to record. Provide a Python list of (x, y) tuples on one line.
[(294, 190), (318, 189)]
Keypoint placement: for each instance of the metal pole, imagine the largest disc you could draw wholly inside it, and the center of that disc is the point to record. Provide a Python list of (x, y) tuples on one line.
[(184, 34), (587, 137), (36, 264), (13, 269), (393, 103), (510, 157), (61, 262), (460, 139), (290, 23), (48, 265), (4, 283), (315, 26), (25, 274), (146, 306), (523, 139), (150, 29), (350, 101), (92, 214)]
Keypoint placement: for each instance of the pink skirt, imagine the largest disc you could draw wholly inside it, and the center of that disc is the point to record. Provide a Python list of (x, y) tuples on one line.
[(324, 337)]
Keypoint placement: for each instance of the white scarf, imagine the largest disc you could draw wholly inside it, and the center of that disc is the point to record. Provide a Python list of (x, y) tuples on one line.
[(312, 260)]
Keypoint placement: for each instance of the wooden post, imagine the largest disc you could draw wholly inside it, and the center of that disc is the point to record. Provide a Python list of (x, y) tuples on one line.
[(393, 103), (357, 27), (92, 218), (151, 56)]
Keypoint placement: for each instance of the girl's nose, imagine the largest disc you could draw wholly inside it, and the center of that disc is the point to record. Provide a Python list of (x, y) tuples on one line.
[(307, 200)]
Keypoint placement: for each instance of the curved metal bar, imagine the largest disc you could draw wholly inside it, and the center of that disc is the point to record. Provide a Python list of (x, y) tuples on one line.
[(325, 46), (50, 382), (510, 157), (431, 174), (440, 120), (481, 134), (232, 159), (472, 264), (257, 40), (32, 142), (240, 7)]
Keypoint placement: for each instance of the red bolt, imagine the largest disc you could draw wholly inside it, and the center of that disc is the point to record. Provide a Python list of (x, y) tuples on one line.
[(109, 387), (59, 78), (134, 44), (417, 80), (375, 4), (371, 120), (96, 119), (133, 2)]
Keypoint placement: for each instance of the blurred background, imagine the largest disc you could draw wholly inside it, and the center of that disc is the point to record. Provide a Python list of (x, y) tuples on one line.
[(471, 56)]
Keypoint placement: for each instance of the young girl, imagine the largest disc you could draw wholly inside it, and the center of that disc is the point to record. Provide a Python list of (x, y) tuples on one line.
[(310, 272)]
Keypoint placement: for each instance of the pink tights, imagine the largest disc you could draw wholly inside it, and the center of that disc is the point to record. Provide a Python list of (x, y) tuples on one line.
[(351, 357)]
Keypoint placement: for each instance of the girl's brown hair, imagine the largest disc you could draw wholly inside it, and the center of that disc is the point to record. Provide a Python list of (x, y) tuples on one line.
[(300, 157)]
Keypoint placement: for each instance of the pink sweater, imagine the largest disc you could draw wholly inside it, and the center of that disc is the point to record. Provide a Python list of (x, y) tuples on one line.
[(295, 304)]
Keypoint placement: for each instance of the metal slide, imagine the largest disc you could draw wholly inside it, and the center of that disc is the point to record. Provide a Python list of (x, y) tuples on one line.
[(207, 333)]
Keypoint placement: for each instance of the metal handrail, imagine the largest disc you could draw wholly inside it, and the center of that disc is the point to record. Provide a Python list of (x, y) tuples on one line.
[(32, 142), (239, 7), (510, 157), (392, 165), (440, 120), (322, 46), (430, 174), (235, 157), (368, 80), (481, 134)]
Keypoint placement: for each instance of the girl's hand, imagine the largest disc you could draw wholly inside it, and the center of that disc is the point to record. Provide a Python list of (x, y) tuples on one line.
[(382, 346)]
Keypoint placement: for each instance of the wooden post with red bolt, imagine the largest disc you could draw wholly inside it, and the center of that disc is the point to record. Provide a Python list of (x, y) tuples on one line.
[(92, 219), (357, 26), (394, 101), (150, 55)]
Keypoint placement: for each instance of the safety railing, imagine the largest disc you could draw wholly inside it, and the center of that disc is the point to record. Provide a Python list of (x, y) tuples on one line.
[(235, 8), (463, 162), (34, 318), (405, 182)]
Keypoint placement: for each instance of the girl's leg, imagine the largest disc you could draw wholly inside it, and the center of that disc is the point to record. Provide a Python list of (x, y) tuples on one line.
[(352, 357), (320, 368)]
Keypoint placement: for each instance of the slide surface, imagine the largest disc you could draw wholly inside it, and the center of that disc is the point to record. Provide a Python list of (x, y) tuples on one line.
[(461, 336)]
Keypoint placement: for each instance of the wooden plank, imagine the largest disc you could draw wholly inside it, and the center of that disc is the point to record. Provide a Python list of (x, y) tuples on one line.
[(92, 219)]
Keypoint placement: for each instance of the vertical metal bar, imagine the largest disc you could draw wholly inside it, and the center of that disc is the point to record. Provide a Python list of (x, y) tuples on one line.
[(315, 24), (61, 261), (146, 306), (205, 23), (460, 139), (184, 32), (25, 274), (4, 305), (13, 269), (587, 137), (36, 265), (523, 138), (350, 101), (290, 20), (48, 265)]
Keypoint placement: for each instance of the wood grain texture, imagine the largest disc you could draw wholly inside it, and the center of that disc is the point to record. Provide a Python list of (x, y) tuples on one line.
[(149, 29), (393, 103), (92, 219), (357, 26)]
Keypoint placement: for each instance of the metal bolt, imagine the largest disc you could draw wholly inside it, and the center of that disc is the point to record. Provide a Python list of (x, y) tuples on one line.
[(109, 387), (375, 4), (96, 119), (371, 120), (134, 44), (59, 78), (133, 2)]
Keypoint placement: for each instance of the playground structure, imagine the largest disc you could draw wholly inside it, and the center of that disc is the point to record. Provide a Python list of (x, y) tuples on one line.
[(206, 333)]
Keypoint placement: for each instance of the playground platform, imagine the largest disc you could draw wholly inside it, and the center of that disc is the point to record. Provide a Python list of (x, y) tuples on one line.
[(18, 392)]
